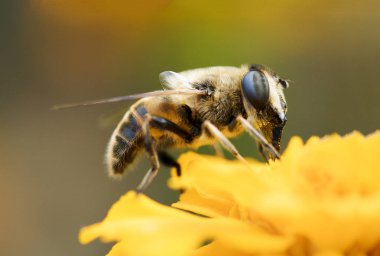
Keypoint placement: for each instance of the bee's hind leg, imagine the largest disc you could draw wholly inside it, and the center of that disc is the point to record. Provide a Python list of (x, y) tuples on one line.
[(149, 176), (169, 161), (167, 125), (150, 147)]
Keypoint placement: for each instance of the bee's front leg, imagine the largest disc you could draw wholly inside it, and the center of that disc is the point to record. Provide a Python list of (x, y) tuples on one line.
[(226, 143), (218, 150), (264, 144)]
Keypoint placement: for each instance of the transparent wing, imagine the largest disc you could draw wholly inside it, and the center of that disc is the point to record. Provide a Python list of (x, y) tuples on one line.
[(173, 80), (191, 91)]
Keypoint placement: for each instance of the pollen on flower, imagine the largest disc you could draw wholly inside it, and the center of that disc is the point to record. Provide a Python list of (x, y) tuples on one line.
[(322, 197)]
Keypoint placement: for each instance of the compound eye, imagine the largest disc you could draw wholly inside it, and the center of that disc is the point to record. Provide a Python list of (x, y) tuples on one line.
[(256, 89)]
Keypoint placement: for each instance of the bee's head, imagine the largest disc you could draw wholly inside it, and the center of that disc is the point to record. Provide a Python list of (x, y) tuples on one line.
[(265, 103)]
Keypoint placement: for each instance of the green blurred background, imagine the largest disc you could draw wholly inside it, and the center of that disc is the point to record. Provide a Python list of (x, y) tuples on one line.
[(52, 179)]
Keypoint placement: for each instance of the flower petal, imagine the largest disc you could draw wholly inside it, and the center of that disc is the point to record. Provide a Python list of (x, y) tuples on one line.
[(314, 191), (145, 227)]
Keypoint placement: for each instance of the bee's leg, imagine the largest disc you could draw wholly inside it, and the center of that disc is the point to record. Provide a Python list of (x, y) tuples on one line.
[(150, 147), (213, 130), (167, 125), (149, 143), (149, 176), (260, 138), (169, 161), (218, 150), (263, 152)]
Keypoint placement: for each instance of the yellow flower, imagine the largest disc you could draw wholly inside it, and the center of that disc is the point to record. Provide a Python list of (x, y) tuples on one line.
[(322, 198)]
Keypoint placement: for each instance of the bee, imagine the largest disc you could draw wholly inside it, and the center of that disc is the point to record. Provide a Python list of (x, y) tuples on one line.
[(197, 107)]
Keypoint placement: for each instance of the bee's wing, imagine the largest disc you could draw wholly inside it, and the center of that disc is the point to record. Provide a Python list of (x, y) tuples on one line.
[(173, 80), (181, 91)]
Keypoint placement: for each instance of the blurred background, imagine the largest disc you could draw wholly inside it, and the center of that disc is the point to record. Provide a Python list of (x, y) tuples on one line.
[(52, 177)]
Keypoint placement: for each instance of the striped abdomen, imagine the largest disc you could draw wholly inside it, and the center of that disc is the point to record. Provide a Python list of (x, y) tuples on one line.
[(126, 143)]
